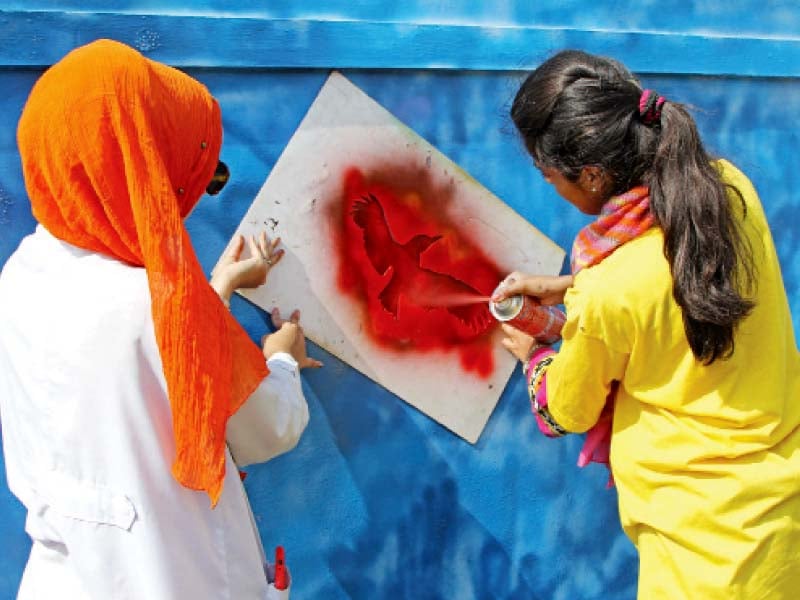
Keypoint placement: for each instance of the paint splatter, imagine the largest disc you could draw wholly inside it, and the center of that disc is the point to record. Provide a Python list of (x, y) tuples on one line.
[(5, 207), (147, 40), (420, 281)]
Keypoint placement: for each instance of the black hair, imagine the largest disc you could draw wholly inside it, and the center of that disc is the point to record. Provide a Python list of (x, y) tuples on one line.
[(578, 110)]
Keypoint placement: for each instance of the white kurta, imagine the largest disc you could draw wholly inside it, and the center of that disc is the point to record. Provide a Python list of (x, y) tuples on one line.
[(88, 443)]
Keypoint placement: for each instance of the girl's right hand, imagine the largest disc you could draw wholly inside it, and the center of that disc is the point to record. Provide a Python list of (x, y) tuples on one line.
[(548, 289), (288, 338)]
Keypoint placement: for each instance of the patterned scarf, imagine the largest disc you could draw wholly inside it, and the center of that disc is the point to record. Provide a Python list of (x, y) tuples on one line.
[(622, 219)]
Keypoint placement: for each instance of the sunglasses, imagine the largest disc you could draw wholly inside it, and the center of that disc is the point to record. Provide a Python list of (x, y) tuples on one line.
[(218, 181)]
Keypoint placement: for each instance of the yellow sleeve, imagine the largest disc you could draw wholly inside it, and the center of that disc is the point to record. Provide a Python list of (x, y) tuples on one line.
[(590, 359)]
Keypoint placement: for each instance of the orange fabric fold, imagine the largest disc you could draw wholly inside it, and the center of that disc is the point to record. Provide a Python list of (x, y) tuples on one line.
[(116, 151)]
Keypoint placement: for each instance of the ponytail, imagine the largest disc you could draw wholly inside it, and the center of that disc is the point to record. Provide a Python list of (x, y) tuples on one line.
[(709, 257), (578, 110)]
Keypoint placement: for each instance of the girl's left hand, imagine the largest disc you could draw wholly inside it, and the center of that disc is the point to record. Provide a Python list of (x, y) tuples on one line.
[(517, 342), (232, 272), (289, 338), (548, 289)]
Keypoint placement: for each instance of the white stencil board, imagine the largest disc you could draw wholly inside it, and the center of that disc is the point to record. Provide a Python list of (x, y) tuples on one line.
[(344, 126)]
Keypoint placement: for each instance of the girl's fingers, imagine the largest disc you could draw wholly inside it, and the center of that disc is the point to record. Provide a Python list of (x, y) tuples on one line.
[(260, 246), (266, 248), (264, 245), (506, 287), (234, 248), (276, 257), (277, 320), (255, 251), (273, 244)]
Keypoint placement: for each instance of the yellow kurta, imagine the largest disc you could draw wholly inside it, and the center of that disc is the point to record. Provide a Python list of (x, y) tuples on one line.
[(706, 458)]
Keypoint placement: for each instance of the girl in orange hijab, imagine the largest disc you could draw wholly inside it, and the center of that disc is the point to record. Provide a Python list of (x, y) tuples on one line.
[(122, 372)]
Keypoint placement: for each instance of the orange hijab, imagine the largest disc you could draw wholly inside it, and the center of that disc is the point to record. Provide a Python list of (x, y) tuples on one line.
[(116, 151)]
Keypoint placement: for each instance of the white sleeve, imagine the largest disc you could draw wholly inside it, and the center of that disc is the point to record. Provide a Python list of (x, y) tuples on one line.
[(272, 419)]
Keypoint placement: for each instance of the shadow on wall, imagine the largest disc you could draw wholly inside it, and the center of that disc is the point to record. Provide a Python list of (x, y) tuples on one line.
[(436, 537), (385, 510)]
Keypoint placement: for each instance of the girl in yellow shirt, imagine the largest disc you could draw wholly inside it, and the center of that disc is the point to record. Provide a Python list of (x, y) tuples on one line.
[(678, 345)]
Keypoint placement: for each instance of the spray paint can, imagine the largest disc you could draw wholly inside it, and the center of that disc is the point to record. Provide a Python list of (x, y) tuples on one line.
[(525, 313)]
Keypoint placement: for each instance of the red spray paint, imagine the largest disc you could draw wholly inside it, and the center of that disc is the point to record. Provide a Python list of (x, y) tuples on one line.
[(421, 282), (527, 314)]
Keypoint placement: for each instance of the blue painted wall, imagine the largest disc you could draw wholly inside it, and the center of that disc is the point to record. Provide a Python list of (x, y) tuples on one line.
[(378, 501)]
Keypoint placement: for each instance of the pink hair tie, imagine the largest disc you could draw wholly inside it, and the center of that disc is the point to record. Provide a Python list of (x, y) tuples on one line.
[(650, 104)]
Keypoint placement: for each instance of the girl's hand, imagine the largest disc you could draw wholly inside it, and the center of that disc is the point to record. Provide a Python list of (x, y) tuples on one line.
[(232, 272), (548, 289), (288, 338), (517, 342)]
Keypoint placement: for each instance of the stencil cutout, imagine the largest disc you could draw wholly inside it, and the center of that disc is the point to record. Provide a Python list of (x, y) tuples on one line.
[(388, 245)]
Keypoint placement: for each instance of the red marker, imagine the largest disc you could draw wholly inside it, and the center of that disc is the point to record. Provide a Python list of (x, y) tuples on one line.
[(281, 576)]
